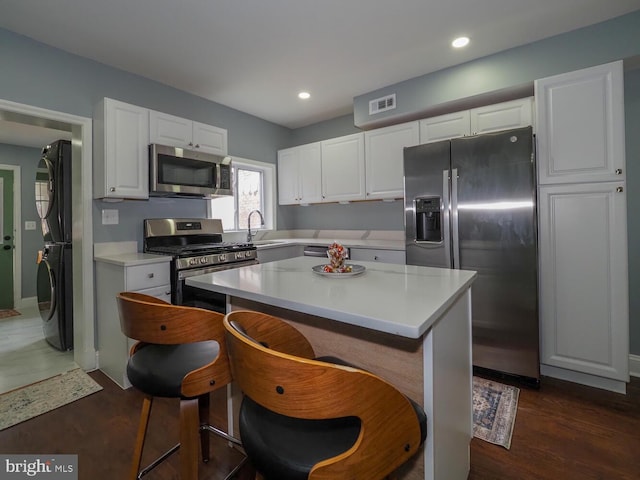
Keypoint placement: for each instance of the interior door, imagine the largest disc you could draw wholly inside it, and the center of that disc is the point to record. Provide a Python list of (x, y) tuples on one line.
[(7, 236)]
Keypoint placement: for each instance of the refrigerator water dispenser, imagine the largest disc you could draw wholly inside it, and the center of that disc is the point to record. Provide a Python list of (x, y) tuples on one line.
[(428, 219)]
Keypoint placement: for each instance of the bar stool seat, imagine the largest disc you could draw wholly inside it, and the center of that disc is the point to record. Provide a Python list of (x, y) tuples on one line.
[(308, 418), (180, 353)]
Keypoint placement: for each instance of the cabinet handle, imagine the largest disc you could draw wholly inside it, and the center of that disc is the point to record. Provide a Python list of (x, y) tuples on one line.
[(618, 171), (112, 189), (191, 144), (375, 258), (197, 145), (150, 275), (620, 189)]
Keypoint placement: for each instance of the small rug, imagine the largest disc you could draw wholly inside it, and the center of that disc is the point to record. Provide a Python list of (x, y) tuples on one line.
[(27, 402), (8, 313), (494, 411)]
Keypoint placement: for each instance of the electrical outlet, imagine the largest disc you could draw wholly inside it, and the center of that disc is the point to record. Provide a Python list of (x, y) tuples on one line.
[(29, 225), (110, 217)]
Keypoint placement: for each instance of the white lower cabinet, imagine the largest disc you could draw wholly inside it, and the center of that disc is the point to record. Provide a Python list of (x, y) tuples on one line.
[(111, 279), (583, 283), (377, 255), (271, 254)]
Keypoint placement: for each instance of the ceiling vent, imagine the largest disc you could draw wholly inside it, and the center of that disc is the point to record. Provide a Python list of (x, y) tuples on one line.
[(382, 104)]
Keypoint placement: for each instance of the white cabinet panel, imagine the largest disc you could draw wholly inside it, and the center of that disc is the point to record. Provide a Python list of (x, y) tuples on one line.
[(384, 159), (580, 118), (121, 156), (209, 139), (288, 176), (271, 254), (180, 132), (166, 129), (444, 127), (377, 255), (147, 276), (299, 175), (490, 118), (583, 278), (111, 279), (501, 116), (343, 176)]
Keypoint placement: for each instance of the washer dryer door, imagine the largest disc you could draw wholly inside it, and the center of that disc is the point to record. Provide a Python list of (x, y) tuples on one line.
[(46, 285)]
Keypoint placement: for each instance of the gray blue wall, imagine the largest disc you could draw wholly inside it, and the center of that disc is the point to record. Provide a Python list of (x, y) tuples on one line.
[(27, 159), (510, 71), (39, 75), (74, 85)]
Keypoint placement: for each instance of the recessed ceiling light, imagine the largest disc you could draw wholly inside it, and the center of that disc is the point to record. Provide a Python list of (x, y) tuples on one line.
[(304, 95), (460, 42)]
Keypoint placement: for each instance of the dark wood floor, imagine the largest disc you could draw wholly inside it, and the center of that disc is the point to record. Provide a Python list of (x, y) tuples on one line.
[(562, 431)]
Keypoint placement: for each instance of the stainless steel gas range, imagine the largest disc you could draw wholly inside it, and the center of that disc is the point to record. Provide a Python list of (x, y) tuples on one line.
[(197, 248)]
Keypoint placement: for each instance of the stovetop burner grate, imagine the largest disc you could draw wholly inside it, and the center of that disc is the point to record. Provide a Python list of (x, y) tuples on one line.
[(201, 249)]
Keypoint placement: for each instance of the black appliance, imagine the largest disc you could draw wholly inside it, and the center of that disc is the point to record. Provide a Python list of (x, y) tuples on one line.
[(54, 276), (197, 248)]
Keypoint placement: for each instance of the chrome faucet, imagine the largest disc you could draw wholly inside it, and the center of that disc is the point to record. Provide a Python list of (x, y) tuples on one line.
[(249, 235)]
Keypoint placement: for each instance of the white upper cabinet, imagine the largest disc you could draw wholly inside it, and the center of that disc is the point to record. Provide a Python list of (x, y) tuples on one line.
[(180, 132), (121, 154), (288, 176), (580, 117), (490, 118), (299, 175), (343, 174), (444, 127), (501, 116), (384, 159)]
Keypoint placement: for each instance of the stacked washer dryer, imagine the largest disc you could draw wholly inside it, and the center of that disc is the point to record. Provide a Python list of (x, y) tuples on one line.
[(54, 279)]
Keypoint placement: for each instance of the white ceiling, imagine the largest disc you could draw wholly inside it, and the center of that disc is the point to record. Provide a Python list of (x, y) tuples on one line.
[(256, 55)]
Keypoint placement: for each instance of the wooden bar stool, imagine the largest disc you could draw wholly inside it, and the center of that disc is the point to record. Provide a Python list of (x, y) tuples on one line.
[(180, 353), (315, 418)]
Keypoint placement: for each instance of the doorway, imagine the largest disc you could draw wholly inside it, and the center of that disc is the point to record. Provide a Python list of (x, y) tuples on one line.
[(81, 129), (8, 217)]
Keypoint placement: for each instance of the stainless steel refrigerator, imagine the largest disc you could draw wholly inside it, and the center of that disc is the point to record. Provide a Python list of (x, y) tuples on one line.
[(470, 204)]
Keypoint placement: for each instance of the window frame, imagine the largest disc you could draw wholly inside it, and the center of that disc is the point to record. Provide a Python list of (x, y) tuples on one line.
[(269, 192)]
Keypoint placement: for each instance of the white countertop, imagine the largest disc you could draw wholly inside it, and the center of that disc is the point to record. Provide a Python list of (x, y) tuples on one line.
[(398, 299), (129, 259), (347, 242)]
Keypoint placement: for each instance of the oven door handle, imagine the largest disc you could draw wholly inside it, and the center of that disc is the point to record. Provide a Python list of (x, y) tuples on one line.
[(182, 274)]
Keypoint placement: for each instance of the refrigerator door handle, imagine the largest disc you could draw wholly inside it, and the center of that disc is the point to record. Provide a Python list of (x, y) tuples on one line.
[(454, 218), (446, 217)]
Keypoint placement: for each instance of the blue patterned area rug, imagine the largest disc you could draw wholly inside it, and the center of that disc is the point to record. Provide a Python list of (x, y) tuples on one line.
[(494, 411)]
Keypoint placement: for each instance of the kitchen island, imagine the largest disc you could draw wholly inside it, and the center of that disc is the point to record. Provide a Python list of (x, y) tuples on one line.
[(410, 325)]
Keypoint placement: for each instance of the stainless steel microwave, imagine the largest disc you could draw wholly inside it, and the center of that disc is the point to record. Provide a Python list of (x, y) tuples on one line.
[(178, 172)]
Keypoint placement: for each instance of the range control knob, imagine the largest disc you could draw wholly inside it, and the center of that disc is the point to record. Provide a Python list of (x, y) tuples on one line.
[(204, 260), (223, 257)]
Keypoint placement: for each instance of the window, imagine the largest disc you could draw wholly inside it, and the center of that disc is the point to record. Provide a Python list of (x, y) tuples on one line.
[(253, 189)]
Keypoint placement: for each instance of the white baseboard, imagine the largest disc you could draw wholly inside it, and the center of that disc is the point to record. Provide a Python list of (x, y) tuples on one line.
[(27, 302), (634, 365), (584, 378)]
